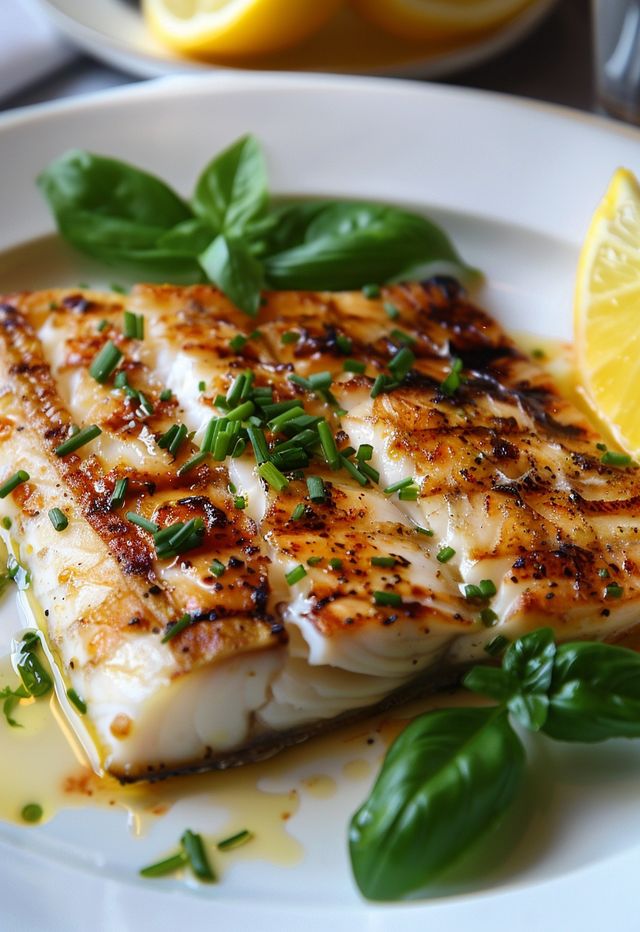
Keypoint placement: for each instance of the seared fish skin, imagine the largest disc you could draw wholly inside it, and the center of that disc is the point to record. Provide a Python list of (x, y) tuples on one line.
[(288, 611)]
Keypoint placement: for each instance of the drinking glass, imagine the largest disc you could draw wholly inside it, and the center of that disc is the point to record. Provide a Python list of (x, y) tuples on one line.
[(617, 57)]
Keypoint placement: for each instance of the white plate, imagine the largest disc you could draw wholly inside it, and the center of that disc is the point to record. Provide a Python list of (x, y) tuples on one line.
[(515, 184), (115, 31)]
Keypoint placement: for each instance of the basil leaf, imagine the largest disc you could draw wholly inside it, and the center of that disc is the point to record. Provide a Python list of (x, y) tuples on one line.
[(107, 188), (229, 264), (595, 693), (189, 238), (348, 245), (491, 681), (530, 709), (232, 190), (448, 776), (530, 660), (283, 227)]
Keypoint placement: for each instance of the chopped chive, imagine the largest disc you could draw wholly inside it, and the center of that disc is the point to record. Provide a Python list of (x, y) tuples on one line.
[(278, 422), (354, 365), (75, 699), (259, 444), (104, 323), (32, 812), (167, 866), (454, 380), (298, 512), (472, 591), (236, 390), (444, 555), (121, 380), (488, 617), (238, 342), (202, 385), (396, 486), (12, 483), (145, 405), (401, 363), (290, 459), (382, 384), (340, 412), (196, 460), (6, 523), (497, 645), (118, 494), (272, 475), (272, 409), (371, 291), (239, 447), (313, 561), (220, 401), (603, 573), (105, 362), (240, 502), (329, 447), (601, 446), (290, 336), (335, 563), (369, 471), (234, 841), (391, 310), (142, 522), (347, 451), (193, 847), (383, 561), (320, 380), (241, 412), (133, 325), (217, 568), (174, 628), (613, 591), (487, 588), (165, 439), (344, 343), (423, 530), (399, 336), (315, 487), (77, 440), (611, 458), (295, 575), (365, 451), (58, 519), (410, 494), (178, 439), (353, 471), (119, 289), (387, 598), (538, 353)]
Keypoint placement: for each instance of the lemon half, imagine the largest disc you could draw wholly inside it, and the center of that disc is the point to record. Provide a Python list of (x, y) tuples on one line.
[(236, 27), (438, 19), (607, 311)]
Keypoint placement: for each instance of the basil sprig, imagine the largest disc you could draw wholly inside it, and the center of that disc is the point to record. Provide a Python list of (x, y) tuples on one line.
[(231, 234), (453, 772)]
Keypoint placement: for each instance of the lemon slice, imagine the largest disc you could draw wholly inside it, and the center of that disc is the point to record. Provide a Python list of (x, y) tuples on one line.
[(607, 312), (438, 19), (236, 27)]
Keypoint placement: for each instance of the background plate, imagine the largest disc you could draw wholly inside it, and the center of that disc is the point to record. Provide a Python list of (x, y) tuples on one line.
[(482, 165), (114, 30)]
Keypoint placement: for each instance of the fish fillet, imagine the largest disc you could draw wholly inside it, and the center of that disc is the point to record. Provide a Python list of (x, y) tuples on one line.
[(215, 654)]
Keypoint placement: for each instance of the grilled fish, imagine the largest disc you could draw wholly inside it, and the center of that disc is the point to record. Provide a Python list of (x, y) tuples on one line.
[(278, 523)]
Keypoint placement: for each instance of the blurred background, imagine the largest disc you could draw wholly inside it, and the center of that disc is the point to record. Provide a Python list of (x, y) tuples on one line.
[(60, 48)]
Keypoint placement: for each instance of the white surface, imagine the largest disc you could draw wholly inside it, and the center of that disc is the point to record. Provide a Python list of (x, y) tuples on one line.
[(515, 185), (114, 31), (31, 46)]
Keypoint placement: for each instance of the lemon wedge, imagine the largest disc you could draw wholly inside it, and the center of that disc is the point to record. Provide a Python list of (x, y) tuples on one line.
[(607, 312), (236, 27), (438, 19)]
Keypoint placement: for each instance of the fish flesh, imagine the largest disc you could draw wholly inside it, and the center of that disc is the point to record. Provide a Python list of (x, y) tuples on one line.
[(282, 522)]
